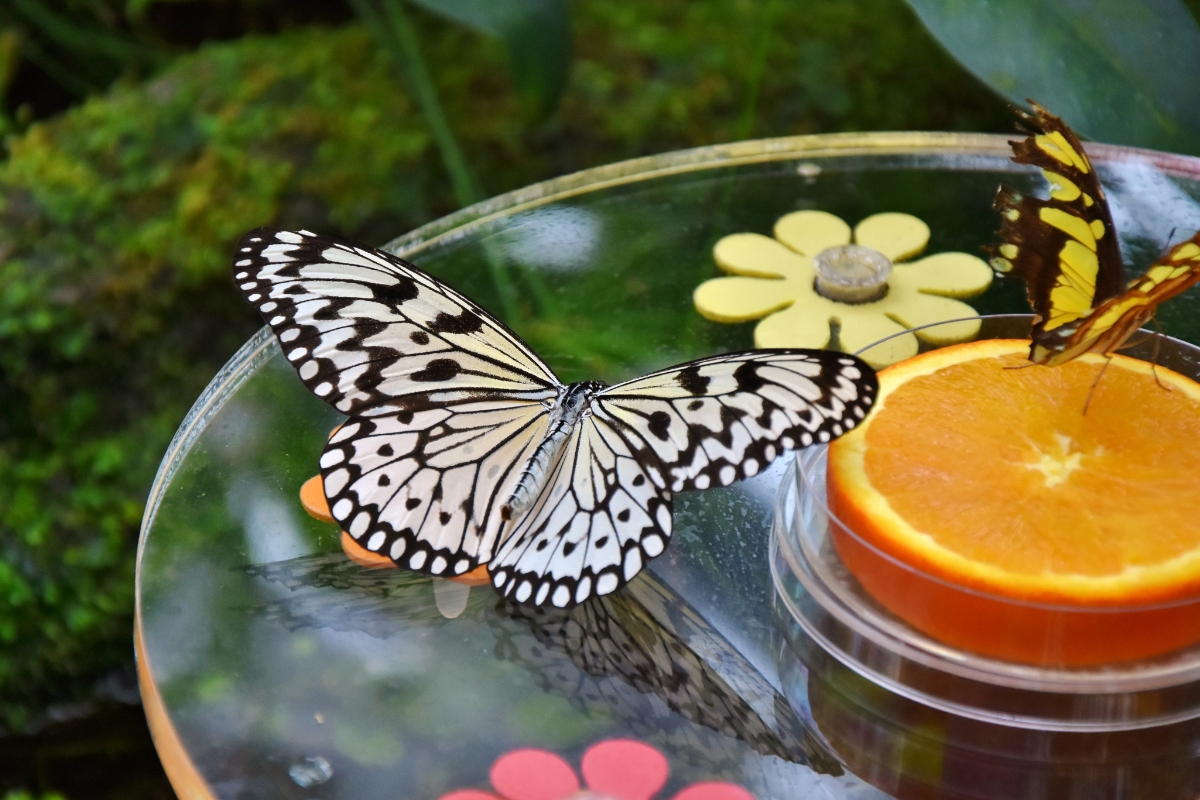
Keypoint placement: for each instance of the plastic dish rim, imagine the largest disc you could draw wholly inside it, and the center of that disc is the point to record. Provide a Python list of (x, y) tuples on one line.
[(909, 643), (940, 657)]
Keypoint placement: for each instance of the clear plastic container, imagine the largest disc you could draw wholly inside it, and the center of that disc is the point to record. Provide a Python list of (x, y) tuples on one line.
[(822, 597)]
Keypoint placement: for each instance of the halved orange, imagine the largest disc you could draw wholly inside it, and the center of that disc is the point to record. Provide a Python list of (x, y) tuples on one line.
[(995, 515)]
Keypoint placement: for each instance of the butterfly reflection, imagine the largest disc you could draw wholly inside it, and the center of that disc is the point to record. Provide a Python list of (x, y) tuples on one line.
[(367, 600), (690, 682), (668, 653)]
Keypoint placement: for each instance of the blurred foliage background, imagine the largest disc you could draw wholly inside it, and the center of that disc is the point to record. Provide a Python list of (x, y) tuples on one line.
[(142, 137)]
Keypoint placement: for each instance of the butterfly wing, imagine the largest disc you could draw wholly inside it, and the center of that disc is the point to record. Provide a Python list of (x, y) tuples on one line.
[(423, 488), (724, 418), (445, 401), (371, 333), (602, 515), (606, 508), (1106, 329), (695, 672), (1065, 248)]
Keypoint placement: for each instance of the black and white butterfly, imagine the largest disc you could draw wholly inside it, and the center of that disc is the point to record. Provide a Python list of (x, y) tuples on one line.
[(462, 448)]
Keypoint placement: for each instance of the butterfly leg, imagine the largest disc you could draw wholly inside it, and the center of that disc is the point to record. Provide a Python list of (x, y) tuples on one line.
[(1154, 359), (1157, 337), (1095, 383)]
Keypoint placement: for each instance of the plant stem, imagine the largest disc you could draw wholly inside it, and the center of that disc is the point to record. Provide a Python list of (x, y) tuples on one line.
[(81, 39), (745, 123), (395, 32), (466, 190)]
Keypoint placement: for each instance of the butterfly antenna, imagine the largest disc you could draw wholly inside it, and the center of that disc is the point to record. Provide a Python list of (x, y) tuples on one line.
[(1095, 383)]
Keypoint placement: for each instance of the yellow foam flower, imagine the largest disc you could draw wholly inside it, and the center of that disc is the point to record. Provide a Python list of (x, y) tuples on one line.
[(774, 279)]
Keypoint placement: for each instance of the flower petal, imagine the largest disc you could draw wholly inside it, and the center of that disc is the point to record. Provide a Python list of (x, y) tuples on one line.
[(810, 232), (897, 236), (866, 324), (739, 299), (714, 790), (469, 794), (950, 274), (927, 309), (625, 769), (533, 775), (757, 256), (805, 324)]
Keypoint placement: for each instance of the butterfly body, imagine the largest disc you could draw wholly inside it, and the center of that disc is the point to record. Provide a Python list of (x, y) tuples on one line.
[(1066, 251), (573, 403), (463, 448)]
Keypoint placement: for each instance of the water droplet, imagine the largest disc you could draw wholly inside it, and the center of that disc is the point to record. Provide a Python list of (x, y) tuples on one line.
[(310, 771)]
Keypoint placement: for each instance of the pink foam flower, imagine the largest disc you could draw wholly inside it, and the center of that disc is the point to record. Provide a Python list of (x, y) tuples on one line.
[(618, 769)]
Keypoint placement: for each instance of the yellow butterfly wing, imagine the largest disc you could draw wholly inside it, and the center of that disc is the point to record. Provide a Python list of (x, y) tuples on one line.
[(1110, 325), (1065, 248)]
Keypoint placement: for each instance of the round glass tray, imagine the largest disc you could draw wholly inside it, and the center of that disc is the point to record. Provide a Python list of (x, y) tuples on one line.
[(818, 592), (272, 666)]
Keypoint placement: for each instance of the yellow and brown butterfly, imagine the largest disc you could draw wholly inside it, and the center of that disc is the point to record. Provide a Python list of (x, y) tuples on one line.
[(1065, 249)]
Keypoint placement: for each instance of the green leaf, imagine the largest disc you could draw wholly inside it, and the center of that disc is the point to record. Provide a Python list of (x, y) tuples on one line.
[(1117, 71), (537, 34)]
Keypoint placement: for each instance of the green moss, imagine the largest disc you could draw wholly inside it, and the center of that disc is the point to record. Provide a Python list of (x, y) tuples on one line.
[(117, 220)]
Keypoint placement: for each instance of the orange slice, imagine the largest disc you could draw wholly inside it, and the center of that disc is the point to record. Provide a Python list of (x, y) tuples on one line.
[(1032, 531)]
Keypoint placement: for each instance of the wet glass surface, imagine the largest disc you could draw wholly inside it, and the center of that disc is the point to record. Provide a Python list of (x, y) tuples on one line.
[(288, 671)]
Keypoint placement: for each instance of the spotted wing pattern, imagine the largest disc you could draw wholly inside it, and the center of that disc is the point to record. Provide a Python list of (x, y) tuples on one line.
[(423, 487), (725, 418), (1066, 251), (707, 423), (371, 333), (602, 516), (447, 407)]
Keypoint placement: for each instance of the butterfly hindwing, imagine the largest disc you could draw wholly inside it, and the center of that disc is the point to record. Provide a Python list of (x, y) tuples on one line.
[(366, 330), (602, 517), (721, 419), (1065, 248), (1075, 189), (422, 487)]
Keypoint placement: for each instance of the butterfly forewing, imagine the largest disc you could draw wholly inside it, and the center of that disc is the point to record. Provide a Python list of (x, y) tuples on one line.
[(721, 419), (1175, 272), (1110, 325), (366, 330), (1065, 248), (423, 487), (1075, 190)]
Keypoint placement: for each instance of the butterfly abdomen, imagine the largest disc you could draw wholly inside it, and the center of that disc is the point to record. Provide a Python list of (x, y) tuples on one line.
[(571, 404)]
